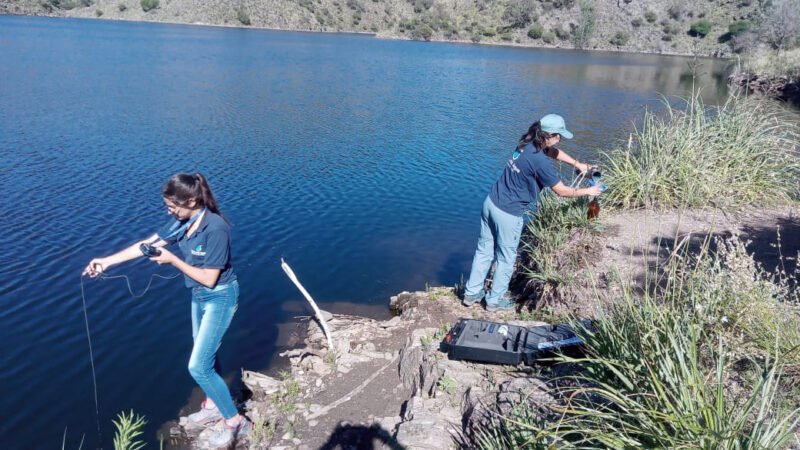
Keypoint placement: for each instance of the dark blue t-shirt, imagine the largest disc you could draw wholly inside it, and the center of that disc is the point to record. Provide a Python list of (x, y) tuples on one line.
[(527, 172), (209, 247)]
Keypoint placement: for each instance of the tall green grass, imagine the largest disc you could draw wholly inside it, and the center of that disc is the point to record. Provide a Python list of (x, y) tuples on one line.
[(776, 64), (546, 234), (740, 153), (664, 370)]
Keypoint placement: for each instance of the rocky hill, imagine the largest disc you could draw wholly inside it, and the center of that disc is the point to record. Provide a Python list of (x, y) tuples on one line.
[(677, 26)]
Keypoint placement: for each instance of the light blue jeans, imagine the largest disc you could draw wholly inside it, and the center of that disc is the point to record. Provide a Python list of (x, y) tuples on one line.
[(212, 311), (500, 233)]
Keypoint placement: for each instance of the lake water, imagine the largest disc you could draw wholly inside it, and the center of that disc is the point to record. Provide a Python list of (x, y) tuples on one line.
[(362, 162)]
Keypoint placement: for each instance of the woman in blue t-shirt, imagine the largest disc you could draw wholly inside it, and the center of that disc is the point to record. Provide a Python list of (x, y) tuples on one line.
[(204, 239), (526, 174)]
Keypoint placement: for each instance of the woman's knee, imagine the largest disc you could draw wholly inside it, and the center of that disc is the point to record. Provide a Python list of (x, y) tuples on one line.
[(199, 369)]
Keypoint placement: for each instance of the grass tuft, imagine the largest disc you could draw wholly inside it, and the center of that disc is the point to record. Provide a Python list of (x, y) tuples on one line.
[(666, 366), (741, 153)]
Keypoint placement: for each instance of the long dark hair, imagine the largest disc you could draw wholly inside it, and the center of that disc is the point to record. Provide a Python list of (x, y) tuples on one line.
[(183, 187), (534, 135)]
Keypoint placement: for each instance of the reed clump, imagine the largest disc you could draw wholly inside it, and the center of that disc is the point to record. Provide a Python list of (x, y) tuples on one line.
[(546, 234), (743, 152), (697, 360)]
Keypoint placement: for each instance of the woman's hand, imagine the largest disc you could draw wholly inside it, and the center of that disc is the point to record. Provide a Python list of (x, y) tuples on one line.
[(95, 267), (166, 257), (583, 168), (594, 191)]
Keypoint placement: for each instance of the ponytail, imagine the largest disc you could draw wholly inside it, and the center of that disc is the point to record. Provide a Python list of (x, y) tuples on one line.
[(535, 135), (183, 187), (207, 198)]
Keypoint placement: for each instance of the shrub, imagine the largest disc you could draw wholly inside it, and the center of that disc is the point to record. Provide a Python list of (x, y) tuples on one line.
[(98, 12), (122, 7), (566, 4), (422, 32), (747, 158), (650, 17), (520, 13), (489, 31), (700, 28), (582, 34), (620, 38), (675, 11), (637, 22), (148, 5), (243, 17), (506, 37), (549, 37), (561, 33), (536, 31), (737, 28)]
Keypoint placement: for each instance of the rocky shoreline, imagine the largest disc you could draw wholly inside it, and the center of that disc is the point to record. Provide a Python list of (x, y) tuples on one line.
[(386, 384), (783, 88)]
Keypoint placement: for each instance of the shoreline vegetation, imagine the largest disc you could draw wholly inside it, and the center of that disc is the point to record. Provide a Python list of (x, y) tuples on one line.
[(690, 277)]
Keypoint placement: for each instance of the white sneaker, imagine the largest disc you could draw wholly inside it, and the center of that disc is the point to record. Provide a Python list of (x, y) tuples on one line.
[(227, 435), (205, 416)]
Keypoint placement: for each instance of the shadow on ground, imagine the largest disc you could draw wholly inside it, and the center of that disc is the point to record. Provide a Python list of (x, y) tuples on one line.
[(360, 437)]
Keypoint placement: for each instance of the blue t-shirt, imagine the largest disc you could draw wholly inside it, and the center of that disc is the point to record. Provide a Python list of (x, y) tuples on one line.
[(209, 247), (527, 172)]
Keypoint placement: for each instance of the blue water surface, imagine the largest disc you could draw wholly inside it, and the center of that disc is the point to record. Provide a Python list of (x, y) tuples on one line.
[(362, 162)]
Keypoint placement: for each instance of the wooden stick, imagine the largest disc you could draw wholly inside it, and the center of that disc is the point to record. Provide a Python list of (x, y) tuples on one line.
[(293, 277)]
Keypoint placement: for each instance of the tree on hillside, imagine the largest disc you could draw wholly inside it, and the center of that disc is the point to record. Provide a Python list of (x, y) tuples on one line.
[(519, 13), (780, 24), (582, 33)]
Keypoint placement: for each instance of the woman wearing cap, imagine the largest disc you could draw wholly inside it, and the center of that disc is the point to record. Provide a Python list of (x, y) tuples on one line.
[(526, 174)]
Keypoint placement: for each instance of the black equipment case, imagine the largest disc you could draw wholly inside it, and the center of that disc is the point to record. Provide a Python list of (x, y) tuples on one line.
[(492, 342)]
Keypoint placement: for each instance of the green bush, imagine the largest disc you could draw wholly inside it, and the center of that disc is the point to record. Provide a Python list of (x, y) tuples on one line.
[(737, 154), (423, 32), (243, 17), (737, 28), (549, 37), (148, 5), (536, 31), (637, 22), (561, 33), (122, 7), (620, 38), (489, 32), (583, 32), (98, 12), (700, 28), (650, 17)]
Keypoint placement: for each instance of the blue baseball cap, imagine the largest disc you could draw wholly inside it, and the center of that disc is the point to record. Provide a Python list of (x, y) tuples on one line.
[(553, 123)]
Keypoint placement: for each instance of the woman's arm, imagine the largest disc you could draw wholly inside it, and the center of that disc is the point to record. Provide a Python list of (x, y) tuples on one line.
[(562, 190), (561, 155), (205, 276), (99, 265)]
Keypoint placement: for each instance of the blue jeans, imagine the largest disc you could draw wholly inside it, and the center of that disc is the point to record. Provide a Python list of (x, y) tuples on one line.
[(500, 233), (212, 311)]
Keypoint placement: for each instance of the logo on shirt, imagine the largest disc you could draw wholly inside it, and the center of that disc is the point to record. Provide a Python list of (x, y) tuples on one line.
[(198, 251)]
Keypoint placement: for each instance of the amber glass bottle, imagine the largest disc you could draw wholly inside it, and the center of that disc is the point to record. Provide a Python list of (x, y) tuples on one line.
[(594, 209)]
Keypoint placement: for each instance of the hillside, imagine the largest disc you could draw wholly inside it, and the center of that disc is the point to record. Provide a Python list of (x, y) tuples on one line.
[(628, 25)]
